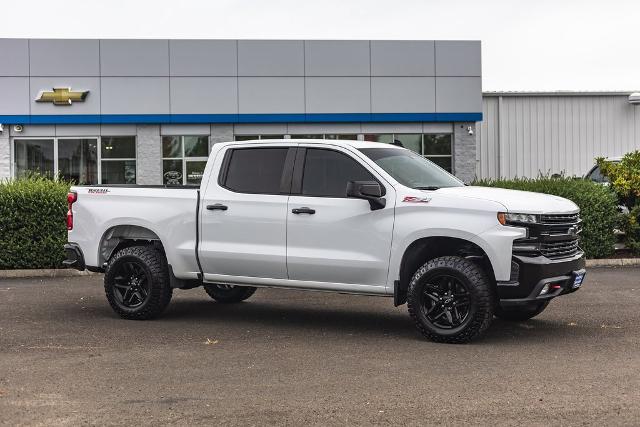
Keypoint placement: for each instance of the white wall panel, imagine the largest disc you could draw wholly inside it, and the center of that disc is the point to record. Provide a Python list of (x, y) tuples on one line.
[(525, 135)]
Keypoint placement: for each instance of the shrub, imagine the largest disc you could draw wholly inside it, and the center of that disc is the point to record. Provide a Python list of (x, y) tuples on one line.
[(624, 177), (32, 222), (597, 203), (625, 181)]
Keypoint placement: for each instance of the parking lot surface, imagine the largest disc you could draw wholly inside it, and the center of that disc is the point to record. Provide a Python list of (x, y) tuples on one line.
[(294, 358)]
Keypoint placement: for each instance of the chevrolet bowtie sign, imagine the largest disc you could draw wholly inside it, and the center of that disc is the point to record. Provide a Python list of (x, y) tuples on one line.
[(62, 96)]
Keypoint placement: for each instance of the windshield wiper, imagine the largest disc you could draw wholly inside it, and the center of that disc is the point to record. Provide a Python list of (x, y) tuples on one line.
[(429, 187)]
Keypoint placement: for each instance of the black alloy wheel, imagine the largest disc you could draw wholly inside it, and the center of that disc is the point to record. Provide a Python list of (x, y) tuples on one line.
[(137, 283), (450, 300), (132, 284), (445, 301)]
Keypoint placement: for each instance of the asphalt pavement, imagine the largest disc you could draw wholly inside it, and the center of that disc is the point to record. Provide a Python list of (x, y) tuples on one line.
[(307, 358)]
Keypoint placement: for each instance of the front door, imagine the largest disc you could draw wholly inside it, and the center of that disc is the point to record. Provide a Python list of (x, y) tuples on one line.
[(332, 238), (244, 211)]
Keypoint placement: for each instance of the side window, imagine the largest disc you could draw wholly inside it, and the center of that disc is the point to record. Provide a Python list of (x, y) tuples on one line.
[(327, 172), (255, 170)]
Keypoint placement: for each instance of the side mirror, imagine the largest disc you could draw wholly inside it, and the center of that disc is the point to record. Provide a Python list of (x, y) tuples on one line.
[(367, 190)]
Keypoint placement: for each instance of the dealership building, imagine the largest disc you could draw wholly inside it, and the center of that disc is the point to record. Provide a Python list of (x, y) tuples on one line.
[(148, 111)]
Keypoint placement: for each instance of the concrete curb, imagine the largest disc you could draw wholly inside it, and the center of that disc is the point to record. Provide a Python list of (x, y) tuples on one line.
[(47, 272), (615, 262)]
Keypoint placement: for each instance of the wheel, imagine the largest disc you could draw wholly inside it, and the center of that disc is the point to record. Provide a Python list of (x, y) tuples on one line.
[(521, 313), (229, 293), (136, 282), (450, 300)]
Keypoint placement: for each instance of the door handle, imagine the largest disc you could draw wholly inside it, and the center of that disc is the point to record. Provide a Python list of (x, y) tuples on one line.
[(217, 207), (304, 210)]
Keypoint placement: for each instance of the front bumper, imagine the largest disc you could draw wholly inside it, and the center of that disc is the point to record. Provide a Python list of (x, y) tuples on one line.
[(529, 275), (74, 257)]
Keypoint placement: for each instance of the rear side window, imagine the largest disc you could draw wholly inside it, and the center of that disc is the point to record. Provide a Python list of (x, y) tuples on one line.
[(327, 172), (255, 170)]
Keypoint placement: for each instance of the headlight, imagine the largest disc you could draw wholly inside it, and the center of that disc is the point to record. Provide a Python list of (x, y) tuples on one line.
[(505, 218)]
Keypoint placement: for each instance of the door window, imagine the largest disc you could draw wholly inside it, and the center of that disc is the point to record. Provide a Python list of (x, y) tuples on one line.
[(327, 172), (255, 170)]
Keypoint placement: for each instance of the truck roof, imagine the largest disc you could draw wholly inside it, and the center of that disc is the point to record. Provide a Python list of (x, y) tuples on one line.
[(338, 142)]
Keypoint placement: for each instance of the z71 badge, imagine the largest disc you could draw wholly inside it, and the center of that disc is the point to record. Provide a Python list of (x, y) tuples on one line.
[(414, 199)]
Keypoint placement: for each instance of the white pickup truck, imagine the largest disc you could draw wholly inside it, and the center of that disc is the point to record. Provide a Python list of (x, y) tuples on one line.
[(341, 216)]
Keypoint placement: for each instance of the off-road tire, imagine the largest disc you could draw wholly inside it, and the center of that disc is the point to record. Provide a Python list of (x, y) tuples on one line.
[(154, 264), (480, 294), (521, 314), (228, 294)]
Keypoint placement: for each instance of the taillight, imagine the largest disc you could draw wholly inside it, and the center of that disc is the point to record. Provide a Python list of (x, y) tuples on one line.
[(72, 197)]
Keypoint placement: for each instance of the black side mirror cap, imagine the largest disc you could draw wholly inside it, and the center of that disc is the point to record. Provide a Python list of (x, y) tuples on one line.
[(367, 190)]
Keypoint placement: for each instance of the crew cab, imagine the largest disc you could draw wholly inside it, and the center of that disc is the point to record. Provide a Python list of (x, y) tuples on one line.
[(351, 217)]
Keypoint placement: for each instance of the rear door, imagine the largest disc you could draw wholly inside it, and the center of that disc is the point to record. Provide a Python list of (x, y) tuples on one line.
[(332, 238), (244, 211)]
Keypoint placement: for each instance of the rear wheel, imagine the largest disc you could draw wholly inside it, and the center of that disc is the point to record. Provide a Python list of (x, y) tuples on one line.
[(521, 313), (136, 283), (449, 299), (229, 293)]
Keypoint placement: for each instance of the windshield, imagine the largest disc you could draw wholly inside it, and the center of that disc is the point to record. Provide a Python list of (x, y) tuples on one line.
[(411, 169)]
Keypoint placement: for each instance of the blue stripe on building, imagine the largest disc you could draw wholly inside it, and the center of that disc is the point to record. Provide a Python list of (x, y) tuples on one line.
[(238, 118)]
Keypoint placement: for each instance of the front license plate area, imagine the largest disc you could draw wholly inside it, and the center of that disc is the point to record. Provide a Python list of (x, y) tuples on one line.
[(578, 278)]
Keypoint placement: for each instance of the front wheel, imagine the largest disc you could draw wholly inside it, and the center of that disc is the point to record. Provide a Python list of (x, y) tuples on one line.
[(450, 300), (228, 293), (519, 314)]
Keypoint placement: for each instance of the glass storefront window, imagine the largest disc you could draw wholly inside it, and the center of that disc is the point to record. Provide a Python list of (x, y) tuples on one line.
[(119, 172), (34, 156), (119, 147), (184, 159), (195, 171), (385, 138), (118, 159), (252, 137), (78, 160), (437, 145), (410, 141), (308, 136), (84, 161), (349, 136)]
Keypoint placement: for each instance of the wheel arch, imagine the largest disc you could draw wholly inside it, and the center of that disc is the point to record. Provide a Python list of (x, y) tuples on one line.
[(426, 248), (124, 235)]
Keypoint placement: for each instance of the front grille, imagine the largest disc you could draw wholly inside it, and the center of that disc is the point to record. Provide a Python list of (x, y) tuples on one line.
[(561, 249), (556, 236), (560, 218)]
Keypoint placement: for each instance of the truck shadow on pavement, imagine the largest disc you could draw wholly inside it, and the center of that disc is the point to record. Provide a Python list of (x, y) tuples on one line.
[(343, 319)]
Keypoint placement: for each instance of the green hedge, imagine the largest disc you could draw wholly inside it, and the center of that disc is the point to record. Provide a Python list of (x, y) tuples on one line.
[(598, 207), (32, 223)]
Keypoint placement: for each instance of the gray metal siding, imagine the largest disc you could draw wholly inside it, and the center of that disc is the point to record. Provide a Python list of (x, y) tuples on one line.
[(64, 58), (403, 58), (264, 76), (14, 57), (528, 135)]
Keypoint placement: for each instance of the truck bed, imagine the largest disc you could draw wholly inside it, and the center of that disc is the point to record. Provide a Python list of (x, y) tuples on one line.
[(168, 212)]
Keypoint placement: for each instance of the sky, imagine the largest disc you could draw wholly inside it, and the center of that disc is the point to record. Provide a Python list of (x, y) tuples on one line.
[(535, 45)]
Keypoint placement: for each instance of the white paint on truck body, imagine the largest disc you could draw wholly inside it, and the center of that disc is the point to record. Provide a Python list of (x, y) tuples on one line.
[(346, 246)]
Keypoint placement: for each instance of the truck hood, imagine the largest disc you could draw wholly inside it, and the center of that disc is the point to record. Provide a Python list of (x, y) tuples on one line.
[(515, 200)]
